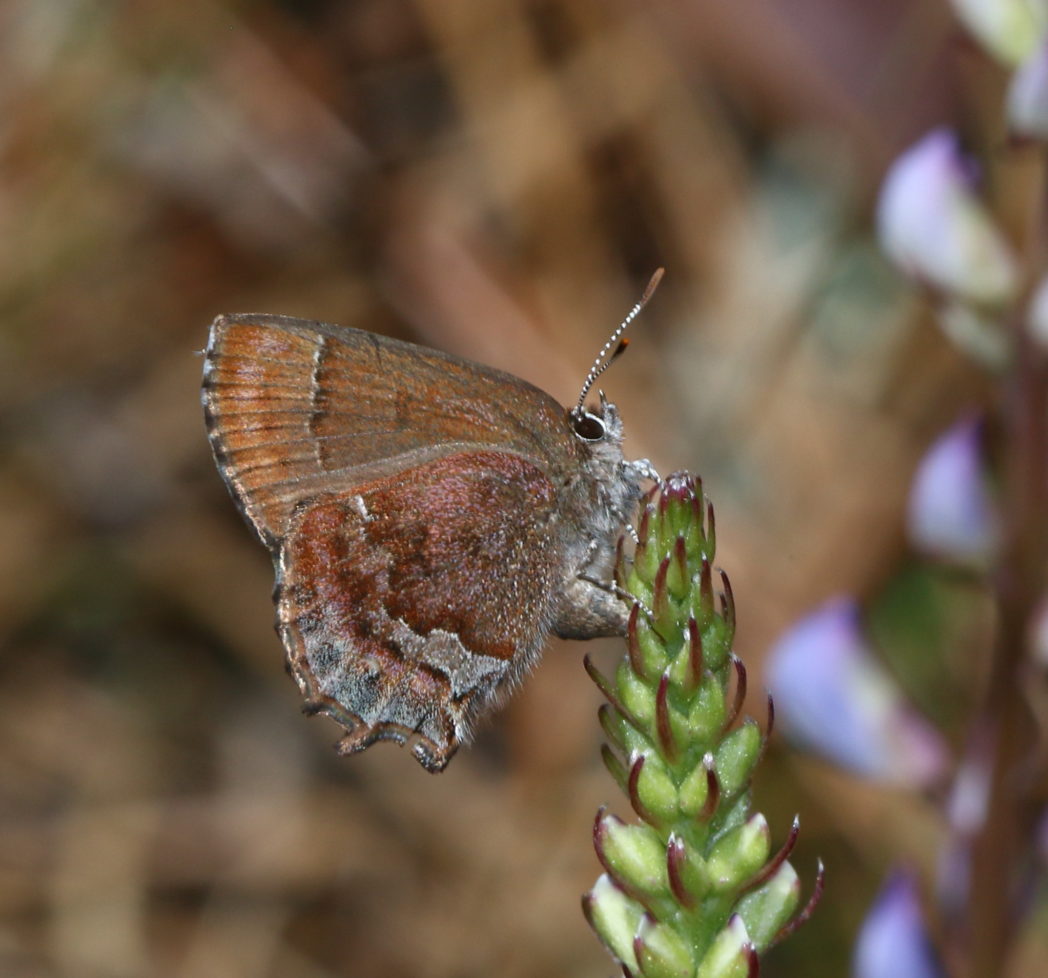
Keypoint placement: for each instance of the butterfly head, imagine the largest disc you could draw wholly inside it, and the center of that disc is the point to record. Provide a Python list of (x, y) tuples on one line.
[(599, 428)]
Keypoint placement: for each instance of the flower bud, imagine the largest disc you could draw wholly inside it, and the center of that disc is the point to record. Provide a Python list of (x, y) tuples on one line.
[(739, 853), (655, 788), (636, 695), (647, 650), (708, 710), (661, 953), (680, 503), (767, 909), (687, 871), (737, 756), (716, 641), (615, 918), (730, 954), (633, 853), (694, 790)]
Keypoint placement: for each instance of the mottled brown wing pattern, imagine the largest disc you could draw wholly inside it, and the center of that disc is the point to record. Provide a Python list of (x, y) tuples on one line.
[(278, 392), (397, 605), (390, 483)]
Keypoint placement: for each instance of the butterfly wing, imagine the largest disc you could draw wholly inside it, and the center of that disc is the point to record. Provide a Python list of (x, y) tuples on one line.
[(410, 501), (296, 408), (406, 606)]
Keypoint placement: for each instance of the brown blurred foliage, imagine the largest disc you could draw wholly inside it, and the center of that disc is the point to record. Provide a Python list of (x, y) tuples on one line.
[(497, 178)]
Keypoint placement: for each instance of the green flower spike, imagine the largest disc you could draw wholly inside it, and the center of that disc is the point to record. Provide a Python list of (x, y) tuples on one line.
[(692, 890)]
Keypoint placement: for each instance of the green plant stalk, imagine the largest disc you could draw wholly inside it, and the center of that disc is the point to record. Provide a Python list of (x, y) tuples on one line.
[(692, 889)]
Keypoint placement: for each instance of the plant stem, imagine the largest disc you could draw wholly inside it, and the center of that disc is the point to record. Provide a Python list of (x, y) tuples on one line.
[(1000, 860)]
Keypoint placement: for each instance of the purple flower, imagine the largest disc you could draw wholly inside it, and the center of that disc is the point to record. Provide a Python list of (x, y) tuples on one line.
[(893, 942), (934, 227), (1028, 97), (835, 699), (951, 514), (1037, 314), (965, 811)]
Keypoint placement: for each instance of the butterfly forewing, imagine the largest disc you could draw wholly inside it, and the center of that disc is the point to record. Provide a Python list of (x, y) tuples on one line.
[(296, 408)]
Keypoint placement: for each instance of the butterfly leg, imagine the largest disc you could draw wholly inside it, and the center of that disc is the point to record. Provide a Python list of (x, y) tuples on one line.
[(591, 609), (591, 605), (641, 468)]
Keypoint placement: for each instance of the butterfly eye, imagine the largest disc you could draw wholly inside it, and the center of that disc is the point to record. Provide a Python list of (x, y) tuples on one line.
[(588, 426)]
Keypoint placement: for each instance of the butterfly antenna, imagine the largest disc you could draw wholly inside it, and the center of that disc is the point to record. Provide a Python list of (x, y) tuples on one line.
[(611, 350)]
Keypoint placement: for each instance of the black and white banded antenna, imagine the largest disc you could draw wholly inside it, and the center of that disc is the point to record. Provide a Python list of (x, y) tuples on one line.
[(611, 350)]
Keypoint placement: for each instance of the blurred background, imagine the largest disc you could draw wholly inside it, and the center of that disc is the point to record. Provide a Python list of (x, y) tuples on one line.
[(497, 179)]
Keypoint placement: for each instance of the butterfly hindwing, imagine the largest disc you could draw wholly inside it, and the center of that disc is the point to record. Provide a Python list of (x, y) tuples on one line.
[(408, 604)]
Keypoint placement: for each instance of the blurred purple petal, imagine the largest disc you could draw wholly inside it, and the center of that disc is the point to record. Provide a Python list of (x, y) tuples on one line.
[(835, 699), (966, 811), (893, 942), (1028, 97), (932, 224), (951, 513), (1037, 314), (969, 794), (1008, 29)]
